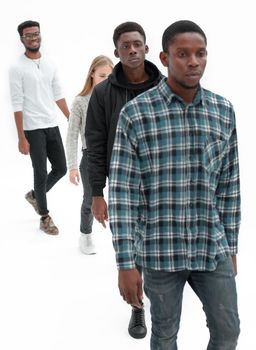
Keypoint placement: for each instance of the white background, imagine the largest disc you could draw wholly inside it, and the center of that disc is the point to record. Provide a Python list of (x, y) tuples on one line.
[(51, 296)]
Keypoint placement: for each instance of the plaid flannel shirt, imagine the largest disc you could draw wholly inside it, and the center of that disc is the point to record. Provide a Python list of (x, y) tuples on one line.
[(174, 193)]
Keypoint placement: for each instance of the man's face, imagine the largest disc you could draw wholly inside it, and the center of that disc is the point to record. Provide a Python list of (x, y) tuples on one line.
[(31, 39), (131, 49), (186, 60)]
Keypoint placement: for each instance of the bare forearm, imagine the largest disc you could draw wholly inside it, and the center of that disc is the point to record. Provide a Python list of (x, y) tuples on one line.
[(62, 104), (19, 124), (23, 144)]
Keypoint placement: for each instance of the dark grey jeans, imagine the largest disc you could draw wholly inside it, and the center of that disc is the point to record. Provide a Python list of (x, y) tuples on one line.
[(86, 213), (217, 292), (46, 144)]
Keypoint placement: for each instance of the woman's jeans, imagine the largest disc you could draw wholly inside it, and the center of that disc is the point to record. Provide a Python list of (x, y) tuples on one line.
[(86, 213), (46, 144), (215, 289)]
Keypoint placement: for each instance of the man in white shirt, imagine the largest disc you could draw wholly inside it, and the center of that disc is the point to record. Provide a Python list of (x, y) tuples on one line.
[(35, 89)]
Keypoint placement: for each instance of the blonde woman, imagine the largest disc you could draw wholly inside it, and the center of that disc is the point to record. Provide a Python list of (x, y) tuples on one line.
[(99, 70)]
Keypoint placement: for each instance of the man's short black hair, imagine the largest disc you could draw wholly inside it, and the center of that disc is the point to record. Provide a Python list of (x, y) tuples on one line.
[(127, 27), (27, 24), (179, 27)]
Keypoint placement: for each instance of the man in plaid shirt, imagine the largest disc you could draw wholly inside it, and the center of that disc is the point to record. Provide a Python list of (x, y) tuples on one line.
[(174, 196)]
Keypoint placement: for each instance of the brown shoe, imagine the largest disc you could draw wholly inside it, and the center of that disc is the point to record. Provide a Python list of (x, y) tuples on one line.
[(29, 197), (48, 226)]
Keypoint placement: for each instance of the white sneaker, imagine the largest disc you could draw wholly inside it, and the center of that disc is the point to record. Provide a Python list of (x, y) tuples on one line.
[(86, 244)]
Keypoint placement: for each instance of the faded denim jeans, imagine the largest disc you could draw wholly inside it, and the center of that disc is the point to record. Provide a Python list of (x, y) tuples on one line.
[(215, 289)]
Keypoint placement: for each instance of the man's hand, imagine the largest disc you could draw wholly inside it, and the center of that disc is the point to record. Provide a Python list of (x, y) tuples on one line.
[(100, 210), (74, 176), (234, 263), (23, 146), (130, 286)]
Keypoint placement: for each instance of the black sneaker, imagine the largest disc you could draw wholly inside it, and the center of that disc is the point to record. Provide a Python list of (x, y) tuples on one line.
[(137, 326)]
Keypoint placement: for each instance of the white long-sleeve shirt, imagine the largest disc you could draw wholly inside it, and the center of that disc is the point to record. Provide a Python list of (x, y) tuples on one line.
[(76, 126), (34, 88)]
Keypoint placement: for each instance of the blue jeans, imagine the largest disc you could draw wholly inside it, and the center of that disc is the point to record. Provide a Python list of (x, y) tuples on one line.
[(86, 213), (215, 289)]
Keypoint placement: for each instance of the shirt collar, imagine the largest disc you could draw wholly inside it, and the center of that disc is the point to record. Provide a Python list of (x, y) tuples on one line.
[(168, 95)]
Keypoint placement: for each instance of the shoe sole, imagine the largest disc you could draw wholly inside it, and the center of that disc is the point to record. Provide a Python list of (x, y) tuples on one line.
[(49, 233), (137, 336), (86, 253)]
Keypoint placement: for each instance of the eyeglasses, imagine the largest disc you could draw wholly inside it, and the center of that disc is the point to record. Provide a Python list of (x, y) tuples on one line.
[(30, 36)]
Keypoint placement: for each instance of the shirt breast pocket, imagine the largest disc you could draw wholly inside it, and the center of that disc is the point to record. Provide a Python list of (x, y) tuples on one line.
[(213, 153)]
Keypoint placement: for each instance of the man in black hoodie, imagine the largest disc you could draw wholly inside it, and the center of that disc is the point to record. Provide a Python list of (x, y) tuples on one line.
[(130, 77)]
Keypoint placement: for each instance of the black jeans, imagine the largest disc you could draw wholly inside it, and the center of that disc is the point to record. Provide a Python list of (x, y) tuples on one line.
[(46, 144), (86, 213)]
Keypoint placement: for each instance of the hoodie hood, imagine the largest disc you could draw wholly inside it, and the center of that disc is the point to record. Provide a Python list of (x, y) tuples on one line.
[(117, 78)]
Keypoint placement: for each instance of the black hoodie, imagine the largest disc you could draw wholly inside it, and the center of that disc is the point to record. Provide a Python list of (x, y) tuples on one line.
[(105, 104)]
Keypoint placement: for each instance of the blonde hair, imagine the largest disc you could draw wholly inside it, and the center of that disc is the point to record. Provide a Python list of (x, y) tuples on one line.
[(98, 61)]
